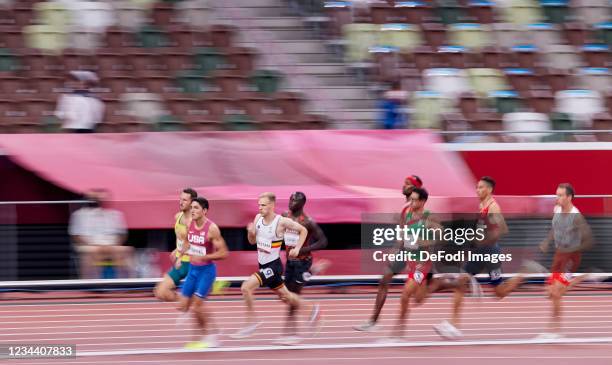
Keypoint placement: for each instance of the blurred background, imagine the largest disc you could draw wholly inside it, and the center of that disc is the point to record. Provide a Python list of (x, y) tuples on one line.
[(340, 100)]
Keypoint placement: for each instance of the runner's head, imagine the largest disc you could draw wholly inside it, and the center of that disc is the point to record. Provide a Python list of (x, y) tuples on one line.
[(199, 208), (565, 194), (411, 182), (485, 187), (187, 196), (266, 203), (418, 198), (297, 201)]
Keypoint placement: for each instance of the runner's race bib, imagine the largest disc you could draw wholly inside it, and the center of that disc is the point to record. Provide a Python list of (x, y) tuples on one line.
[(264, 245), (196, 250), (291, 238)]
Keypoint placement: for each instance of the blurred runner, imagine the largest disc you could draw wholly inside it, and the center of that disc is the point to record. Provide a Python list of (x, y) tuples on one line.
[(165, 290), (267, 231), (204, 245), (393, 268), (572, 236)]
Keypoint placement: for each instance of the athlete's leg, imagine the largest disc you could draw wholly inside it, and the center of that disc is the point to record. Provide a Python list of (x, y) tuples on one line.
[(165, 289), (248, 289), (381, 295), (409, 290)]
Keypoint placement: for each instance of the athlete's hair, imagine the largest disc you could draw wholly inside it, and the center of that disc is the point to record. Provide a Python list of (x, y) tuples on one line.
[(423, 194), (489, 180), (191, 192), (270, 196), (299, 196), (202, 201), (569, 189)]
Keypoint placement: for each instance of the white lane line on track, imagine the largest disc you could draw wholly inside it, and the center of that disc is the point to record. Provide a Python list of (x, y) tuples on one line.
[(124, 320), (328, 307), (352, 345), (366, 297), (247, 360), (275, 336), (160, 328)]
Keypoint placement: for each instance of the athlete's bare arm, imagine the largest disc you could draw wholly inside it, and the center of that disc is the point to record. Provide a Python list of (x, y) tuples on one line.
[(288, 224), (496, 218), (251, 231), (221, 251), (585, 233), (319, 241)]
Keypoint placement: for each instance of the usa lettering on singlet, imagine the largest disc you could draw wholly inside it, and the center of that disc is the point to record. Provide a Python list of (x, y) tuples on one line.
[(566, 235), (268, 243), (198, 240)]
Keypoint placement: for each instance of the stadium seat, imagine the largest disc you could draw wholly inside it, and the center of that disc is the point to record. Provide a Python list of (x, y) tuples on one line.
[(556, 11), (544, 35), (152, 37), (426, 109), (8, 61), (53, 14), (360, 37), (454, 56), (208, 60), (596, 55), (84, 39), (581, 105), (486, 80), (413, 12), (604, 32), (435, 34), (473, 36), (577, 33), (451, 11), (243, 58), (130, 15), (198, 13), (558, 79), (144, 106), (191, 82), (592, 11), (522, 12), (450, 82), (11, 37), (405, 37), (526, 56), (527, 122), (469, 104), (541, 101), (94, 16), (483, 11), (45, 37), (593, 78), (267, 81), (521, 79), (509, 35), (562, 57), (506, 101)]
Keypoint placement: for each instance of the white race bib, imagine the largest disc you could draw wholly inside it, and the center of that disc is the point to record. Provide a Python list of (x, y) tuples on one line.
[(196, 250), (179, 245), (264, 245), (291, 238)]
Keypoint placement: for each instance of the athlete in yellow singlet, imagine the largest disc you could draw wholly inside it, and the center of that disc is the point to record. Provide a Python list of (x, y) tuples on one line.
[(165, 290)]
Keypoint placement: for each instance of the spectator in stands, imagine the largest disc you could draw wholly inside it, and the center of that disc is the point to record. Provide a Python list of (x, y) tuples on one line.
[(79, 109), (392, 106), (99, 233)]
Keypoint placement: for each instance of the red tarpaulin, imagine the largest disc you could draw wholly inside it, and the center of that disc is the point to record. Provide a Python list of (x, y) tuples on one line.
[(343, 173)]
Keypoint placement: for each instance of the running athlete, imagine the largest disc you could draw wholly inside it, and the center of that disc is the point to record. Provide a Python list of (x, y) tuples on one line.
[(299, 269), (417, 219), (572, 236), (494, 225), (267, 231), (165, 290), (394, 268), (204, 245)]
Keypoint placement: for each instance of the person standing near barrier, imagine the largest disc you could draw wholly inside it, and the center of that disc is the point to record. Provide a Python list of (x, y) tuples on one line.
[(298, 270), (267, 231), (99, 234), (204, 245), (396, 267), (571, 236), (165, 290)]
